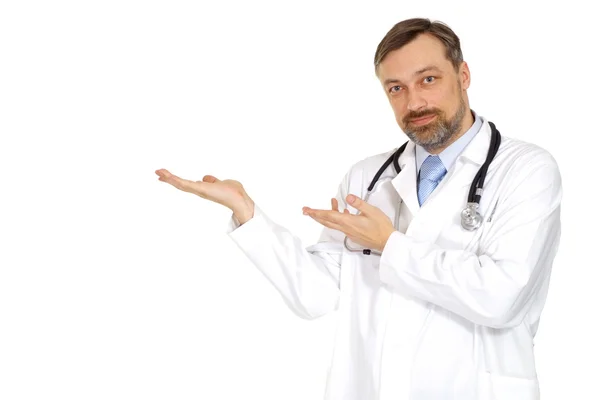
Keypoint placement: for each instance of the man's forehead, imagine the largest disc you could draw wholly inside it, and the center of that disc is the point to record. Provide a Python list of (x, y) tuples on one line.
[(401, 71), (424, 51)]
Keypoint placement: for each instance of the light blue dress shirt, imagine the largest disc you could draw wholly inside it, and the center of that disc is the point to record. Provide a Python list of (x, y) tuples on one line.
[(449, 155)]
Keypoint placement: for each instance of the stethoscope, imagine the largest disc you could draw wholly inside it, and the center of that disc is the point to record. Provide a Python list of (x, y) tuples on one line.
[(470, 218)]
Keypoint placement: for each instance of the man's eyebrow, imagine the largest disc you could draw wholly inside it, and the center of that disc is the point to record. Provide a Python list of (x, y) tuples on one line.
[(419, 72), (388, 81), (428, 68)]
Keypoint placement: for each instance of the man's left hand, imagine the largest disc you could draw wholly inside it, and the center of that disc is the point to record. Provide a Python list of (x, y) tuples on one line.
[(370, 228)]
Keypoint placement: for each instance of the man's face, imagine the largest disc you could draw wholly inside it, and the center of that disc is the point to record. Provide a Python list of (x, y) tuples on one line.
[(427, 94)]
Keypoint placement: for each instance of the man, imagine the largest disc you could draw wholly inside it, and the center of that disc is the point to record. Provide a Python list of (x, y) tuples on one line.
[(443, 312)]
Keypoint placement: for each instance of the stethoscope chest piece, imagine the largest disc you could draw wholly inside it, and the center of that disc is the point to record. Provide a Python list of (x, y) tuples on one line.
[(470, 219)]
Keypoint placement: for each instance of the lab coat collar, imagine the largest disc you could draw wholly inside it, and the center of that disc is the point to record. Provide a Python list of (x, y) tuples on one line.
[(476, 151)]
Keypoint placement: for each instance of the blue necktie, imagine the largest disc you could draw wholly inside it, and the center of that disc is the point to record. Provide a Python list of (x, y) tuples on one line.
[(432, 172)]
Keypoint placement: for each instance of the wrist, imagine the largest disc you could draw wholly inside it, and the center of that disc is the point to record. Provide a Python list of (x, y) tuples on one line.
[(244, 211), (386, 238)]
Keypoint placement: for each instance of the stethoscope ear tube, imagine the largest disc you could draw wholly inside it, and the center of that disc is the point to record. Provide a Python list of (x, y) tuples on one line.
[(393, 158), (397, 157), (477, 185), (470, 218)]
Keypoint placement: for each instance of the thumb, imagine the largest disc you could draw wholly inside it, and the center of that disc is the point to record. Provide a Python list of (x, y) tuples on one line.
[(358, 203), (210, 179)]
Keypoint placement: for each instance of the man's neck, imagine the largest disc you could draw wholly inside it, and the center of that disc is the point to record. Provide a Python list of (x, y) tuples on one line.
[(466, 124)]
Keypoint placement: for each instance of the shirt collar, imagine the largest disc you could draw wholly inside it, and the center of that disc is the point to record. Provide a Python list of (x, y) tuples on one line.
[(451, 153)]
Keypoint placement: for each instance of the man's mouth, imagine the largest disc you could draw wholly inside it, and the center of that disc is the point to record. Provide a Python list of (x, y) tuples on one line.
[(422, 120)]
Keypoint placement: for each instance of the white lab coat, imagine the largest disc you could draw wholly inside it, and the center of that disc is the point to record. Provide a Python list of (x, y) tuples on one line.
[(443, 313)]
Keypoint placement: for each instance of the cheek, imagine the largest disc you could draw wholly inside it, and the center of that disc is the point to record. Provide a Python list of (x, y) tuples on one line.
[(437, 98)]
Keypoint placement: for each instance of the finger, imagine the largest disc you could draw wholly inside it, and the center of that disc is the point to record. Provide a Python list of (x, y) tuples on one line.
[(332, 219), (328, 215), (359, 204), (327, 223), (184, 184), (165, 176), (162, 172), (334, 204), (180, 183), (210, 179)]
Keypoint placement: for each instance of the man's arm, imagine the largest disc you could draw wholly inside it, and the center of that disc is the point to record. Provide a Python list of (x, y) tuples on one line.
[(494, 288), (306, 278)]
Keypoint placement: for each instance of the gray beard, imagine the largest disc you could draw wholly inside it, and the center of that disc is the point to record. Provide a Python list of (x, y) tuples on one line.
[(443, 131)]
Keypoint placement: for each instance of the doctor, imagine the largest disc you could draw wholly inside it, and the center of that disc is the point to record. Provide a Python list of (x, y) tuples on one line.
[(427, 309)]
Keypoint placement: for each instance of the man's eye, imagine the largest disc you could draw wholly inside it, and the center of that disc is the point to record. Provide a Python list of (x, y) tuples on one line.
[(429, 79), (395, 89)]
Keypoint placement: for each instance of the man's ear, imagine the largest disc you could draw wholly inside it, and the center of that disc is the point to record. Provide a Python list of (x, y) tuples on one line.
[(464, 75)]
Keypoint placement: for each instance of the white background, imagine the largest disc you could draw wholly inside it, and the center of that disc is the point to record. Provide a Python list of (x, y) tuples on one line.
[(116, 286)]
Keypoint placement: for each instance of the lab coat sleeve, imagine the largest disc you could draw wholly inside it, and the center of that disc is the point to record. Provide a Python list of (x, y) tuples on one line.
[(496, 287), (307, 278)]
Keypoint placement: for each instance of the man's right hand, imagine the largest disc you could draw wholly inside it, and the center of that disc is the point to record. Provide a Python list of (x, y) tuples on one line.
[(229, 193)]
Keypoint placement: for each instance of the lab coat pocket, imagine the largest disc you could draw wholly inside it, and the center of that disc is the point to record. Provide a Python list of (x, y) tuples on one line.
[(498, 387)]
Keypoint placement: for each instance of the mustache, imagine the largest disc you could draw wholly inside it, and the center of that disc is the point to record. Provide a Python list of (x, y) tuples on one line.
[(420, 114)]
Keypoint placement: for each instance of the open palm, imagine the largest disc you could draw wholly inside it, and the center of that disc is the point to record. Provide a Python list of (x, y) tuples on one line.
[(227, 192)]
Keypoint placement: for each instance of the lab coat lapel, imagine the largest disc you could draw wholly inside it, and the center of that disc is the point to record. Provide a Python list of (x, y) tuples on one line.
[(405, 182)]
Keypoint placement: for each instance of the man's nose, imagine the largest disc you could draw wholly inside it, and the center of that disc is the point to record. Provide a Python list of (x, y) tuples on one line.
[(416, 101)]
